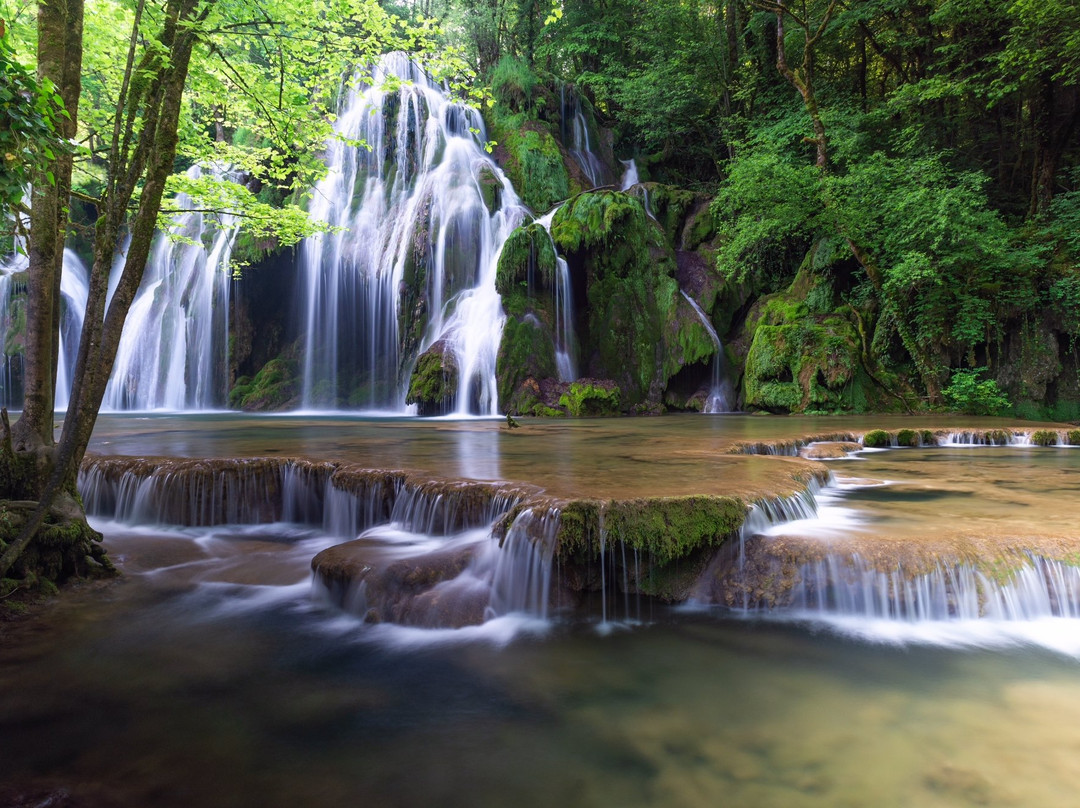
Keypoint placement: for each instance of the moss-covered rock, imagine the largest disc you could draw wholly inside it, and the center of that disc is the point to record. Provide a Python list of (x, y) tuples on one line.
[(805, 355), (275, 386), (530, 155), (591, 397), (433, 385), (877, 439), (526, 354), (527, 262), (907, 437), (490, 189), (667, 542), (1044, 437), (635, 331)]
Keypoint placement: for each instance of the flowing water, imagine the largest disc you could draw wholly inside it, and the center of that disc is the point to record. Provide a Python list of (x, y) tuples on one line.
[(214, 674), (173, 354), (74, 286), (721, 395), (565, 363), (414, 261)]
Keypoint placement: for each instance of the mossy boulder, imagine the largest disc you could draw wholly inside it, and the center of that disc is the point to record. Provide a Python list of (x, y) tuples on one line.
[(433, 385), (490, 189), (527, 262), (1044, 437), (805, 352), (633, 328), (526, 356), (877, 439), (531, 157), (667, 542), (276, 386), (591, 397)]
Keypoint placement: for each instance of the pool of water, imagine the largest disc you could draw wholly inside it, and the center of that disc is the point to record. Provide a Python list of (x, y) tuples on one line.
[(209, 675)]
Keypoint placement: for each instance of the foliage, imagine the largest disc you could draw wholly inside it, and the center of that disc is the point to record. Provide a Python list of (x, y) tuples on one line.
[(967, 394), (28, 136)]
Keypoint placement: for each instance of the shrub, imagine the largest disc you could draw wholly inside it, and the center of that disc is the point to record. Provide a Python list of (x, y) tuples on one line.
[(970, 396)]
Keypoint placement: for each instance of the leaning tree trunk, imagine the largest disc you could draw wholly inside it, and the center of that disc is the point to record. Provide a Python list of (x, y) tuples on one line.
[(153, 97)]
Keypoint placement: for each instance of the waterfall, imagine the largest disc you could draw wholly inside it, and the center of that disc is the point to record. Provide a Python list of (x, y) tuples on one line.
[(720, 392), (575, 133), (74, 286), (173, 353), (630, 177), (421, 215), (565, 365), (520, 570), (850, 585)]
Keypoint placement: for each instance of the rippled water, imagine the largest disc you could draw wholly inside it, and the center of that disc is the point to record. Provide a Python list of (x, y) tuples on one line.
[(209, 677)]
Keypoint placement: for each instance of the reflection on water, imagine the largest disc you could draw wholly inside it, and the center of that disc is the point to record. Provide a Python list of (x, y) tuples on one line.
[(209, 677)]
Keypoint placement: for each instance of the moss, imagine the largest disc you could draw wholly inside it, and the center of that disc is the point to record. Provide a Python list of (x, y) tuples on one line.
[(907, 437), (526, 351), (1073, 437), (672, 539), (877, 439), (434, 381), (532, 160), (275, 385), (928, 438), (802, 358), (997, 437), (634, 333), (527, 261), (1044, 437), (590, 398)]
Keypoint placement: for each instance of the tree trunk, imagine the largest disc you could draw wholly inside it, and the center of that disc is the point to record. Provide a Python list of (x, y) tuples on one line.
[(59, 57), (146, 157)]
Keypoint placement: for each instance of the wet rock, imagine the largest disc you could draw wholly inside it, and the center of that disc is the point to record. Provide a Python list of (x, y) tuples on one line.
[(828, 450), (364, 578), (434, 383)]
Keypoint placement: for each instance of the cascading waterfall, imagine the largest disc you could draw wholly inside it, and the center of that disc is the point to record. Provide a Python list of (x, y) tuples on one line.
[(565, 364), (720, 390), (74, 287), (173, 354), (575, 133), (421, 215), (630, 176)]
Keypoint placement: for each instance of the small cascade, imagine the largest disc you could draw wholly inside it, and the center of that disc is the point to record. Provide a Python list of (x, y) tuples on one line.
[(520, 570), (422, 215), (630, 176), (720, 390), (565, 364), (575, 133), (850, 585), (173, 354), (74, 287)]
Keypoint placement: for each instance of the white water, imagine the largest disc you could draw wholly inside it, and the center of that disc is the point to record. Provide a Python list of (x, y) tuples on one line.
[(74, 286), (565, 364), (173, 354), (630, 177), (721, 394), (409, 206), (575, 134)]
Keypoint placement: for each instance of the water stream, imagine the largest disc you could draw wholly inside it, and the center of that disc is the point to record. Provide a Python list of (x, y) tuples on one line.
[(216, 674), (721, 395)]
